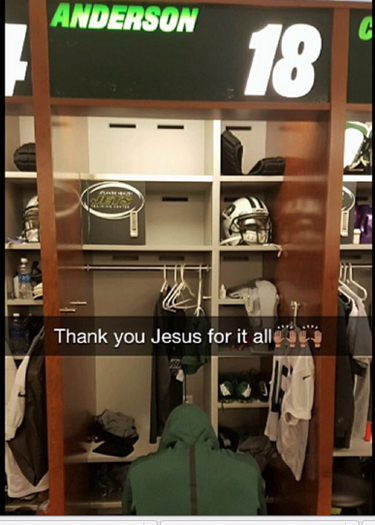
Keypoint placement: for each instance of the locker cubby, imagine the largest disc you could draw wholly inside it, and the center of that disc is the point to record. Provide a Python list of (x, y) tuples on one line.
[(361, 254), (18, 131), (265, 192), (13, 258), (240, 267), (134, 293), (141, 146), (253, 136), (133, 146), (245, 364), (358, 119), (123, 384), (364, 193), (18, 194), (176, 213), (121, 299), (244, 417), (361, 275), (243, 420), (261, 139), (25, 308)]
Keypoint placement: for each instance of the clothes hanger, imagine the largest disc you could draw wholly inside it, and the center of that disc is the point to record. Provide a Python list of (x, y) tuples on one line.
[(171, 291), (170, 301), (184, 285), (165, 284), (351, 281), (199, 310), (342, 285), (174, 291)]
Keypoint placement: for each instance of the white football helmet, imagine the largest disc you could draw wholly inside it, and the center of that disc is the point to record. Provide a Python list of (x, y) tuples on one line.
[(358, 145), (246, 221), (31, 221)]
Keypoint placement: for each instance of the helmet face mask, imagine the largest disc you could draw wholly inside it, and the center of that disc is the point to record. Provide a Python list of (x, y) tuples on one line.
[(257, 233), (246, 221)]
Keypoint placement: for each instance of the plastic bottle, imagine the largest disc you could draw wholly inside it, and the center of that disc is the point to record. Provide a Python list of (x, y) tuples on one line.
[(16, 287), (222, 292), (18, 336), (24, 277), (356, 236)]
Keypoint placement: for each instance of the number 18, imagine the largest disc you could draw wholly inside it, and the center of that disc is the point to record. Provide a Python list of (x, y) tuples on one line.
[(293, 75)]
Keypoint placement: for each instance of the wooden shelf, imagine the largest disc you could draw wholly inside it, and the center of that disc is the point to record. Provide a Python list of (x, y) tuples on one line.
[(21, 177), (358, 178), (238, 405), (171, 248), (24, 302), (24, 246), (364, 182), (244, 354), (145, 178), (358, 448), (225, 110), (264, 179), (255, 248), (19, 106), (145, 248), (12, 504), (358, 107), (356, 247), (141, 448), (231, 302), (359, 112), (362, 112), (15, 504), (113, 501)]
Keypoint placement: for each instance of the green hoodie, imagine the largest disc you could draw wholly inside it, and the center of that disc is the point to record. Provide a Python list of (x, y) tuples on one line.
[(191, 475)]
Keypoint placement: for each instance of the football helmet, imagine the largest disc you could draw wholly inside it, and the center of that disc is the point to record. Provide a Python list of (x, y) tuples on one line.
[(358, 147), (246, 221), (31, 221), (363, 221)]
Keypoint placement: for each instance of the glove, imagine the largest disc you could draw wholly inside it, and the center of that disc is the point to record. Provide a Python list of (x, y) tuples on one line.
[(269, 166)]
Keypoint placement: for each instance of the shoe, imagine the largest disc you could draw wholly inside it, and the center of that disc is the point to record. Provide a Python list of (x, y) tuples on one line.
[(228, 438), (259, 387), (243, 387), (226, 390)]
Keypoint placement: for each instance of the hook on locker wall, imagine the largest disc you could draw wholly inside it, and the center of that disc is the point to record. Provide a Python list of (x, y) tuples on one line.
[(295, 306)]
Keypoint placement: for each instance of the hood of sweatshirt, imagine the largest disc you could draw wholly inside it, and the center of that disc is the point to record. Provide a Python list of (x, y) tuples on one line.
[(188, 425)]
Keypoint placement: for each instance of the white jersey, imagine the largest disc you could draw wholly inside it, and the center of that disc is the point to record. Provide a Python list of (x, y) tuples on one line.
[(291, 402)]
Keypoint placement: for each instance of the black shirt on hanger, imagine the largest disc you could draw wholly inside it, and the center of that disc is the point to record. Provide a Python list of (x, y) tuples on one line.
[(344, 386), (166, 383)]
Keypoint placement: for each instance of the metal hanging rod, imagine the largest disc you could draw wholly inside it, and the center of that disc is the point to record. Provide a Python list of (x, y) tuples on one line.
[(359, 266), (144, 268)]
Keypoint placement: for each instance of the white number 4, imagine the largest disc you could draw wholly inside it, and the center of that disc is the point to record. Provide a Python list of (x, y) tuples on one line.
[(15, 69), (293, 75)]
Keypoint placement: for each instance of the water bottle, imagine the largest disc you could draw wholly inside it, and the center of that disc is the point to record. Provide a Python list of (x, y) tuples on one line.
[(24, 278), (18, 336)]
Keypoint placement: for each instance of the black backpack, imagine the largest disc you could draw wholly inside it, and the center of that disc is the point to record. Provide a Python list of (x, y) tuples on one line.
[(231, 154)]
